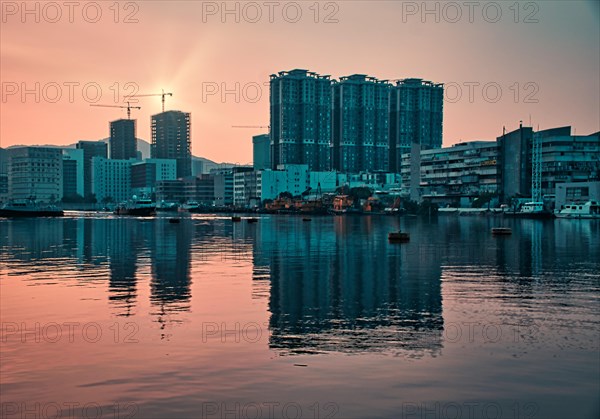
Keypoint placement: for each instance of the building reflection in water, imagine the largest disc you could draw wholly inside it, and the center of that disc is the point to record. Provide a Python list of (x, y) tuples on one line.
[(170, 247), (345, 289)]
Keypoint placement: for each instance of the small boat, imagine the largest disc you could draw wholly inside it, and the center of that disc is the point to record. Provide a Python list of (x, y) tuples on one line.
[(174, 220), (398, 237), (589, 210), (501, 231), (142, 207), (530, 210), (307, 219), (236, 219), (190, 206), (252, 220), (30, 208)]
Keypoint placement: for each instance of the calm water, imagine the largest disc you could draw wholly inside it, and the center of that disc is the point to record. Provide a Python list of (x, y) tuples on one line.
[(123, 317)]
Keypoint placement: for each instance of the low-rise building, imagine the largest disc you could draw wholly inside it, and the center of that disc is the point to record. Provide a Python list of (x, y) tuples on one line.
[(455, 174), (111, 179), (35, 172), (73, 174), (145, 174)]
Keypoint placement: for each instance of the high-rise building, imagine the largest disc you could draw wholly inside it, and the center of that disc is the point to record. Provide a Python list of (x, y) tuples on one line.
[(90, 149), (360, 123), (514, 167), (416, 116), (300, 104), (35, 172), (122, 139), (171, 140), (261, 152)]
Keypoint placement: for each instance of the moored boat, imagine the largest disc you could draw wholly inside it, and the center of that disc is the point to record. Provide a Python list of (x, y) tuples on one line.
[(141, 207), (589, 210), (530, 210), (30, 208)]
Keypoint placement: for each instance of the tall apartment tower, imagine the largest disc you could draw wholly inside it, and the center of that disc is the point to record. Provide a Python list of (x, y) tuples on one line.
[(122, 141), (360, 123), (171, 140), (416, 116), (90, 149), (300, 119)]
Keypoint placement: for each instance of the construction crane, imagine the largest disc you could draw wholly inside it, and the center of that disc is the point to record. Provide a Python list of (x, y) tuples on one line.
[(251, 126), (128, 107), (162, 95)]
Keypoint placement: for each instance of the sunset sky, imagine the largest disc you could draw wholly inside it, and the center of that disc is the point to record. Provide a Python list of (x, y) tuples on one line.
[(185, 47)]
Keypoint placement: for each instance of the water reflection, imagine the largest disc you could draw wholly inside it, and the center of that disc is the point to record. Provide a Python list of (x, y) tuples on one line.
[(334, 284), (343, 288)]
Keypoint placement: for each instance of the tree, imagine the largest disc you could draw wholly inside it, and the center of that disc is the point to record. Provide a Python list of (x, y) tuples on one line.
[(483, 199), (285, 195), (361, 192), (108, 200)]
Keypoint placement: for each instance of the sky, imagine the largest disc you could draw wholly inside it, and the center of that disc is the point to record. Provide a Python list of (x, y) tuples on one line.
[(501, 62)]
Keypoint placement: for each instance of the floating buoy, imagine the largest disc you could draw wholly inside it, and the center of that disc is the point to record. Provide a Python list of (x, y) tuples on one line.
[(501, 231), (399, 237)]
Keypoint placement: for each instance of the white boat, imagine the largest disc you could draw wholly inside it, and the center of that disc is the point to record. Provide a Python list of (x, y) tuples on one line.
[(190, 206), (590, 209)]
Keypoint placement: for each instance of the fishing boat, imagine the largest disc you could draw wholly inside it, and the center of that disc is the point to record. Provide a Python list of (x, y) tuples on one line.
[(30, 208), (141, 207), (589, 210)]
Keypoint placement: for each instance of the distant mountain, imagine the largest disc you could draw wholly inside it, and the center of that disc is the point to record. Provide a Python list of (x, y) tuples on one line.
[(142, 145)]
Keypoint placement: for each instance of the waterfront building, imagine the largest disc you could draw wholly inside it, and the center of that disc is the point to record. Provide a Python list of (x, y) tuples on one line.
[(454, 174), (300, 104), (200, 189), (111, 179), (73, 172), (170, 191), (35, 172), (123, 145), (171, 139), (568, 158), (360, 122), (3, 175), (244, 187), (514, 163), (261, 152), (145, 174), (90, 149), (416, 116), (223, 189)]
